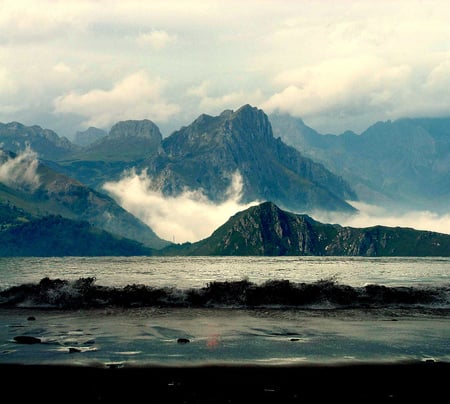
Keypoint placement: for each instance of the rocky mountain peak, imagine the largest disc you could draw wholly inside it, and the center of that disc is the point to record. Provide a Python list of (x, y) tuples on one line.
[(16, 137), (250, 122), (265, 229), (135, 128), (206, 153)]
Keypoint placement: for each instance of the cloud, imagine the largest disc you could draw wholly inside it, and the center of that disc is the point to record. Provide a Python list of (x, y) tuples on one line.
[(342, 86), (8, 90), (20, 171), (7, 85), (134, 97), (338, 65), (347, 65), (190, 216), (210, 103), (156, 39), (25, 22), (371, 215)]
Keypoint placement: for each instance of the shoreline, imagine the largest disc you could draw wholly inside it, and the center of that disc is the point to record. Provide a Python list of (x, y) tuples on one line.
[(361, 382)]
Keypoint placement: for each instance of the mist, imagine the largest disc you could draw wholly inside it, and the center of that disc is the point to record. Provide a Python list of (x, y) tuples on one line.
[(371, 215), (19, 171), (191, 216), (187, 217)]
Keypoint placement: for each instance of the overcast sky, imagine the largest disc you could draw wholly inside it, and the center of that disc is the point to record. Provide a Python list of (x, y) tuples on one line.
[(68, 65), (338, 65)]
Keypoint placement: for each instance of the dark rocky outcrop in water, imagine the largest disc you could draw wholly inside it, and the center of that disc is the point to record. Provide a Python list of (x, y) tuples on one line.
[(27, 339)]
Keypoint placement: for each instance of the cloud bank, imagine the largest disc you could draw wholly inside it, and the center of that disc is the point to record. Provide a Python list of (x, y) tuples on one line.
[(190, 216)]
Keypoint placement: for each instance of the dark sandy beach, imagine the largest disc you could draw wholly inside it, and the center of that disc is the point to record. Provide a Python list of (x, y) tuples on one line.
[(425, 382)]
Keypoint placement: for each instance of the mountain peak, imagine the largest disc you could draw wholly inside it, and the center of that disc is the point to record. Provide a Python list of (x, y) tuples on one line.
[(206, 153), (250, 123), (267, 230), (46, 143), (88, 136), (127, 141), (249, 112), (246, 108), (135, 128)]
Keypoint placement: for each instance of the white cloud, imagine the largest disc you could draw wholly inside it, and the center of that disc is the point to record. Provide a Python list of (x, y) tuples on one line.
[(341, 86), (26, 22), (215, 104), (134, 97), (338, 65), (7, 84), (228, 101), (190, 216), (8, 89), (156, 39), (20, 171)]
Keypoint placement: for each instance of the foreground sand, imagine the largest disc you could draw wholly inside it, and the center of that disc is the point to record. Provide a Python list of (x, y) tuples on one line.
[(425, 382)]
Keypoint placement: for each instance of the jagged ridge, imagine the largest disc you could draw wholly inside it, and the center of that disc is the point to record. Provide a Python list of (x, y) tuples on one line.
[(267, 230)]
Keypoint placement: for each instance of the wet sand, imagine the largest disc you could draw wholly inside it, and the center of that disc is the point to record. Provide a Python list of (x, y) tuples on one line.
[(357, 383)]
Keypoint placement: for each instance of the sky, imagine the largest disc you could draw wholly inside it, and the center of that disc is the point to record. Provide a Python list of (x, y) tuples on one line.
[(339, 65)]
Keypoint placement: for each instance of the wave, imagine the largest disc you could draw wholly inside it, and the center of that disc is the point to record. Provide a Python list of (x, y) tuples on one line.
[(322, 294)]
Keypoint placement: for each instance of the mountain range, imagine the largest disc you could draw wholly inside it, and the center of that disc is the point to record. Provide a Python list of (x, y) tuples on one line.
[(278, 158), (28, 185), (402, 164), (205, 155)]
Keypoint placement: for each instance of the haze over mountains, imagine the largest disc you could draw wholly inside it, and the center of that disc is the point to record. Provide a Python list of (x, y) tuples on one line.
[(219, 165), (404, 164)]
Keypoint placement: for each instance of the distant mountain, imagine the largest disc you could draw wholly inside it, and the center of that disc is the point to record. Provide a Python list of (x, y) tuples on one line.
[(127, 141), (126, 144), (266, 230), (205, 155), (88, 136), (54, 236), (47, 144), (402, 163), (30, 186)]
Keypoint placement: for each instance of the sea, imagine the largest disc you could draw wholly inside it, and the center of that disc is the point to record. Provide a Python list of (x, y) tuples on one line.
[(185, 311)]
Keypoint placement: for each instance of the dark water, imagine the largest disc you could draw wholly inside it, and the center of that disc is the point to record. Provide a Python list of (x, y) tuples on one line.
[(282, 294), (132, 311)]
